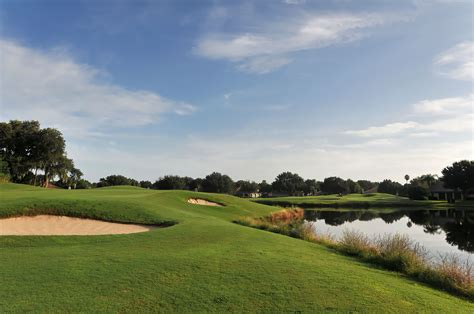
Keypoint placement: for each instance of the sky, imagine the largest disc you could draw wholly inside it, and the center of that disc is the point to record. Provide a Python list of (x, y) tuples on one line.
[(366, 89)]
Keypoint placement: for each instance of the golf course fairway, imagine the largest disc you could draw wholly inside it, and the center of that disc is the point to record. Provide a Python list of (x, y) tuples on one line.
[(197, 260)]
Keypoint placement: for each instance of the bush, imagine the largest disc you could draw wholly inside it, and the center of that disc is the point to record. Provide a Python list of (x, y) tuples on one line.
[(416, 192)]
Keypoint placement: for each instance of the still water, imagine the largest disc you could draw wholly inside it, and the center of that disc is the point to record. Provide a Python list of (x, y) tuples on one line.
[(438, 231)]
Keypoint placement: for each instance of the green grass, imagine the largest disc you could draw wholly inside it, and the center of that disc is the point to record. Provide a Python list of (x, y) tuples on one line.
[(202, 263), (373, 200)]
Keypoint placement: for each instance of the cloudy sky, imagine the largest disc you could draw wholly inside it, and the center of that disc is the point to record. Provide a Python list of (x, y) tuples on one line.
[(367, 89)]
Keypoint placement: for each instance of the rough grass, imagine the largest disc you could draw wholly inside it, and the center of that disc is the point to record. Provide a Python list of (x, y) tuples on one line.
[(203, 263), (392, 251)]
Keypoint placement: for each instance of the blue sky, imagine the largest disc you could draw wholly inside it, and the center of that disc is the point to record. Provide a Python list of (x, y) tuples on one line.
[(361, 89)]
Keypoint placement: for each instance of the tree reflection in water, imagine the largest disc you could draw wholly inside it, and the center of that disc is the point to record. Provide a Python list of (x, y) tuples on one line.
[(457, 224)]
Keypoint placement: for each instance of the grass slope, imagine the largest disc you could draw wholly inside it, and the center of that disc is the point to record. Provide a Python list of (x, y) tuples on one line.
[(203, 263), (373, 200)]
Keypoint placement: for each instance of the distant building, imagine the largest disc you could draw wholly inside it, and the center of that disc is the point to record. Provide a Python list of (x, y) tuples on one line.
[(248, 194), (439, 192)]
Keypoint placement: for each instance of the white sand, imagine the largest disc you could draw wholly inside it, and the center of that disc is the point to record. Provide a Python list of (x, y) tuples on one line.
[(63, 225), (198, 201)]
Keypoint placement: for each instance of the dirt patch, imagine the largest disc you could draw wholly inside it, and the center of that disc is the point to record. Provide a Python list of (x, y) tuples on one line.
[(63, 225), (198, 201)]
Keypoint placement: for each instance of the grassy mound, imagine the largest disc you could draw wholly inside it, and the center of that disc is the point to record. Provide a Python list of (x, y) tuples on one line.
[(202, 263)]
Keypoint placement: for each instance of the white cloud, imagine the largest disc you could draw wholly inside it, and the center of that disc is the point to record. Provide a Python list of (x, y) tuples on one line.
[(445, 105), (54, 89), (385, 130), (451, 115), (267, 49), (294, 2), (262, 65), (458, 62)]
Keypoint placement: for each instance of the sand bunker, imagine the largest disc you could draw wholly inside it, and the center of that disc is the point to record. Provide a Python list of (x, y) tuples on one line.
[(198, 201), (63, 225)]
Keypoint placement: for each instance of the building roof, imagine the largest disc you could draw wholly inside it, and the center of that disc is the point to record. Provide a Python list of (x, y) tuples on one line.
[(438, 187)]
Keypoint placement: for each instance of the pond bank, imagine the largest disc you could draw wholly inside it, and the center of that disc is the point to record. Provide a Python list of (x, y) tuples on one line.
[(393, 252)]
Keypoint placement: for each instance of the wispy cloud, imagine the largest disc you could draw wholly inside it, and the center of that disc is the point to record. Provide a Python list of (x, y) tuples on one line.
[(457, 62), (455, 114), (384, 130), (268, 48), (294, 2), (445, 106), (53, 88)]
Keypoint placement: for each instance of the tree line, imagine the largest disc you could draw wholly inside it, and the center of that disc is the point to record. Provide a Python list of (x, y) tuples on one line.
[(32, 155)]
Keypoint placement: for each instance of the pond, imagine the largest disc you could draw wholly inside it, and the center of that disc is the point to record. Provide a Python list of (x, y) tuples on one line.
[(438, 231)]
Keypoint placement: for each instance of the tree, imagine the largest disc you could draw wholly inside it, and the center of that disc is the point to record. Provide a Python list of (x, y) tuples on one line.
[(114, 180), (459, 176), (61, 168), (334, 185), (50, 153), (18, 141), (390, 187), (26, 148), (367, 185), (4, 171), (218, 183), (170, 182), (264, 187), (353, 187), (311, 187), (146, 184), (83, 184), (417, 192), (288, 182), (246, 186), (75, 176), (425, 180)]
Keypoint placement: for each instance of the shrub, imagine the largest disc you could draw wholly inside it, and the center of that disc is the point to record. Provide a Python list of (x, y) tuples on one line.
[(399, 252), (356, 243), (416, 192)]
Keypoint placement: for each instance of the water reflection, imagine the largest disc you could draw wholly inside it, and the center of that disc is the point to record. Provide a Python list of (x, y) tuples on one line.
[(429, 227)]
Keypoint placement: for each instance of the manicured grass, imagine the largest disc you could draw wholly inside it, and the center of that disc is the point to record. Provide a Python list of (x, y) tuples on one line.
[(202, 263), (373, 200)]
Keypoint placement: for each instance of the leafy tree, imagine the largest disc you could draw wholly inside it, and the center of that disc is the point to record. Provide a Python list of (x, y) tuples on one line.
[(367, 185), (288, 182), (17, 147), (170, 182), (425, 180), (61, 168), (50, 153), (264, 187), (459, 176), (4, 171), (218, 183), (146, 184), (417, 192), (83, 184), (311, 187), (75, 176), (334, 185), (196, 184), (353, 187), (114, 180), (246, 186), (390, 187)]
